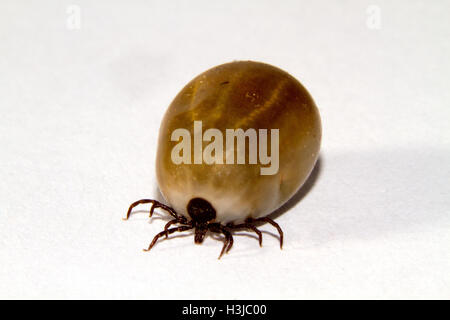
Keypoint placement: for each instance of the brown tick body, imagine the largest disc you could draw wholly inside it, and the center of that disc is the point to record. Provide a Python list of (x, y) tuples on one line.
[(221, 197)]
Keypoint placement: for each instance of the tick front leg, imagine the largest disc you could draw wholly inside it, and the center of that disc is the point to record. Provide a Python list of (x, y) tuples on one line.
[(230, 238), (218, 228), (166, 232), (228, 242), (181, 220)]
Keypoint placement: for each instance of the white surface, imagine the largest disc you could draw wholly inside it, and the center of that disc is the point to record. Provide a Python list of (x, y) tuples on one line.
[(80, 112)]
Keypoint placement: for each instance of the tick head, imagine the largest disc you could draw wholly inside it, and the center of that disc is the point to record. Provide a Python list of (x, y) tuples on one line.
[(201, 211), (200, 233)]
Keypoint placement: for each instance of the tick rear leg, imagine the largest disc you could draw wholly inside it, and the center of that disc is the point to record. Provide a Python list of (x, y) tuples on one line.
[(155, 204), (273, 223), (167, 232), (247, 226)]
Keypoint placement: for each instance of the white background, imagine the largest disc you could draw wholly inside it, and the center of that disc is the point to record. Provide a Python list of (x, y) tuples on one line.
[(80, 112)]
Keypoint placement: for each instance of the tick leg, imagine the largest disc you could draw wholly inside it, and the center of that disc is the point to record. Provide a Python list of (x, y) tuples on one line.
[(171, 222), (247, 226), (228, 241), (134, 204), (155, 204), (276, 225), (228, 234), (215, 227), (166, 232), (224, 246)]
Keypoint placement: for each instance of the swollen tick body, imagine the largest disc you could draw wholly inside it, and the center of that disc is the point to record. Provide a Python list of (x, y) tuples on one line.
[(219, 184)]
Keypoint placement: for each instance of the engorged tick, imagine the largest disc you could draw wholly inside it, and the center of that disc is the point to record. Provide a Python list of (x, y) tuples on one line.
[(218, 195)]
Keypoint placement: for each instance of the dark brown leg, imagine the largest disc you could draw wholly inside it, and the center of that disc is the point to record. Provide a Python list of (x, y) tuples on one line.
[(228, 241), (230, 237), (168, 224), (155, 204), (172, 212), (216, 227), (165, 232), (247, 226), (276, 225)]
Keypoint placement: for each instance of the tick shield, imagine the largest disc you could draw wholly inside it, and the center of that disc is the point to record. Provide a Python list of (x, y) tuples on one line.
[(229, 147)]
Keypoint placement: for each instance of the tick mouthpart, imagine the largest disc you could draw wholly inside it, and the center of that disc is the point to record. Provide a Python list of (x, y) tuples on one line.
[(199, 235)]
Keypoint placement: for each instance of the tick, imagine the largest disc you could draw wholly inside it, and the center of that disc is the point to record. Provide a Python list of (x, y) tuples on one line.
[(213, 185)]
